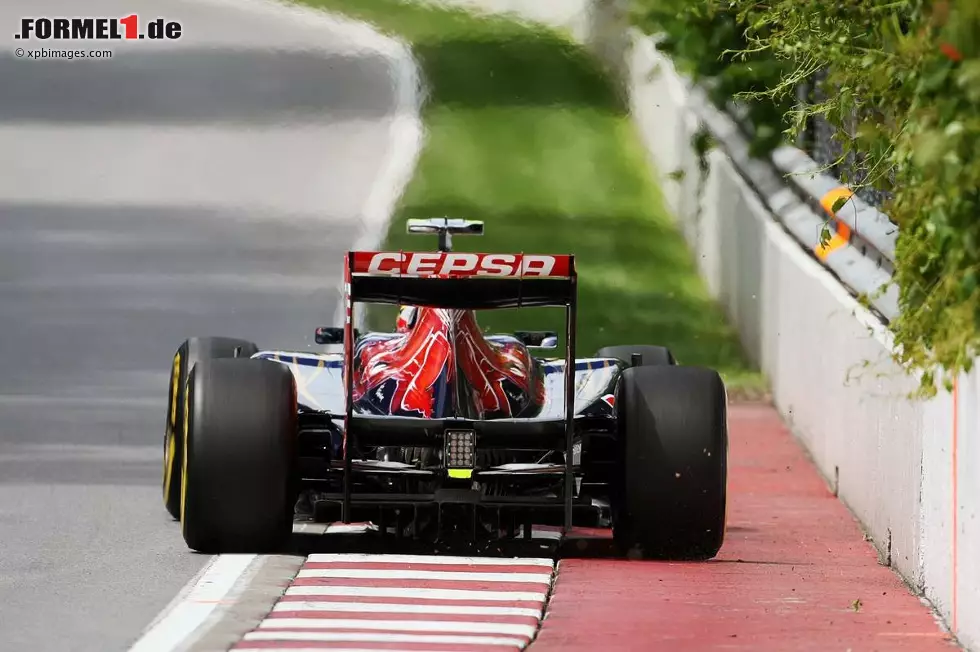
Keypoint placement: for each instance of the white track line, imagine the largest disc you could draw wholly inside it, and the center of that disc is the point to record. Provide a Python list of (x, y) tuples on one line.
[(334, 528), (418, 594), (550, 534), (349, 528), (382, 637), (424, 559), (395, 574), (460, 627), (395, 608), (189, 613)]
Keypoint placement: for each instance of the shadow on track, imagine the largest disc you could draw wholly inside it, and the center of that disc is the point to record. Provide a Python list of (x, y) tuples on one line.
[(373, 543), (584, 544)]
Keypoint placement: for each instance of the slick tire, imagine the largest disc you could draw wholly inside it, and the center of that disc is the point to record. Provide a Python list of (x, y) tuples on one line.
[(190, 353), (651, 356), (670, 499), (237, 494)]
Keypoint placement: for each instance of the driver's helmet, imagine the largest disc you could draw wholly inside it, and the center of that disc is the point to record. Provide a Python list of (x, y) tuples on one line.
[(406, 318)]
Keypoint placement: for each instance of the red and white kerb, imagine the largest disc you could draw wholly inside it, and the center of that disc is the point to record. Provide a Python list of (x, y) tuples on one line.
[(406, 602)]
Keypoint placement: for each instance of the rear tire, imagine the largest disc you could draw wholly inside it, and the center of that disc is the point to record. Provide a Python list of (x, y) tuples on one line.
[(652, 356), (237, 493), (670, 501), (190, 353)]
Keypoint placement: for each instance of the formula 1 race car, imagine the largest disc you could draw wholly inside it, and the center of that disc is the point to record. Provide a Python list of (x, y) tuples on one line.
[(441, 433)]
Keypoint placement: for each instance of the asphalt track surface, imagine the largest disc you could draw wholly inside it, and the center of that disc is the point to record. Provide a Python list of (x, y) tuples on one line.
[(205, 186)]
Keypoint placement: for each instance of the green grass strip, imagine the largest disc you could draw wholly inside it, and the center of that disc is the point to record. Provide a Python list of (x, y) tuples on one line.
[(525, 132)]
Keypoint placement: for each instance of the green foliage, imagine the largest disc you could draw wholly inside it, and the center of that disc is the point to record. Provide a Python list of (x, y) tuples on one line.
[(911, 70), (706, 40)]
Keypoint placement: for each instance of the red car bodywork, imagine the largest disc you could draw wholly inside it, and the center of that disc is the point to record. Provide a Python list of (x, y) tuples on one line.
[(440, 364)]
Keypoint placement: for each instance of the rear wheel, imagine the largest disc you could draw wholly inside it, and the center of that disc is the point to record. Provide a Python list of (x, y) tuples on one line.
[(670, 499), (190, 353), (237, 492), (651, 356)]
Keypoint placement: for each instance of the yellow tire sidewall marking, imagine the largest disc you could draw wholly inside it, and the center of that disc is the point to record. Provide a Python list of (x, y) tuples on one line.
[(183, 471), (171, 450), (174, 386)]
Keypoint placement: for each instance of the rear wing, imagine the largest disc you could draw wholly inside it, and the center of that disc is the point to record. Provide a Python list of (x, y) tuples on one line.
[(472, 281)]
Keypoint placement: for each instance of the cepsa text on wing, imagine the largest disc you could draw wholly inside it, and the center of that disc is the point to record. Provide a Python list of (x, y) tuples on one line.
[(450, 264)]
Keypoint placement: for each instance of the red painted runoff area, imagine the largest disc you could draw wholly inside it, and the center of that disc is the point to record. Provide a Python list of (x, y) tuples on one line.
[(795, 574)]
